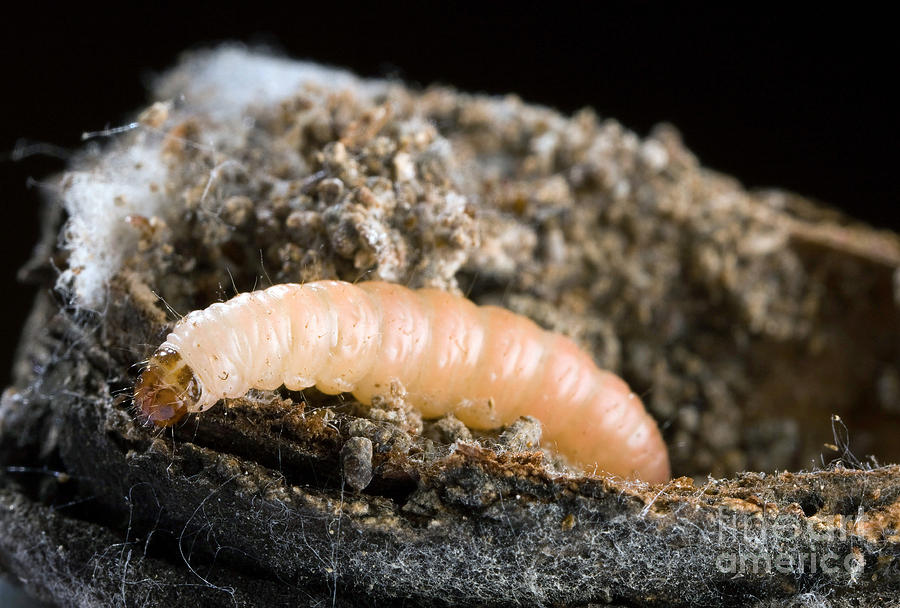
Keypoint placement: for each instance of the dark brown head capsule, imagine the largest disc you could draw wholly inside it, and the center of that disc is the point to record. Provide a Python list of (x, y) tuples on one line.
[(166, 388)]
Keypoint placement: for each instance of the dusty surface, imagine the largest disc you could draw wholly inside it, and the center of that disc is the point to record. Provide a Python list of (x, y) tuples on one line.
[(745, 320)]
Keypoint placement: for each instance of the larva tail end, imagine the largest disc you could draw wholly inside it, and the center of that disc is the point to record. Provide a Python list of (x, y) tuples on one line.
[(165, 390)]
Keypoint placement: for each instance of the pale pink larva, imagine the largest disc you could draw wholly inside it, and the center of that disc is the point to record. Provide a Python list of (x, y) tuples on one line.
[(486, 365)]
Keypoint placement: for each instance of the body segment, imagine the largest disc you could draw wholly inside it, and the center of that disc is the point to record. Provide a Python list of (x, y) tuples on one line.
[(486, 365)]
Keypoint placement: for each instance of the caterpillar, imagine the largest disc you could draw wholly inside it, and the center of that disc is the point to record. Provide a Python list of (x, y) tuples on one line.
[(486, 365)]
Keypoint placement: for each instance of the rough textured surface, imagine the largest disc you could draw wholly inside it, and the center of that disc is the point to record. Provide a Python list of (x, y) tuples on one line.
[(746, 320)]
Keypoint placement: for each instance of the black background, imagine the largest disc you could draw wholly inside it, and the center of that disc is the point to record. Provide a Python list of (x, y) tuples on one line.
[(799, 101)]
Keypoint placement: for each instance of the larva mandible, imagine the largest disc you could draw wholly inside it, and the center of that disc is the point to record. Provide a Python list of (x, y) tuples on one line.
[(485, 364)]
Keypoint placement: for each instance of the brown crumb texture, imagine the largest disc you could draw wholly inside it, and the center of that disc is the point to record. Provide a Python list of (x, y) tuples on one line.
[(760, 329)]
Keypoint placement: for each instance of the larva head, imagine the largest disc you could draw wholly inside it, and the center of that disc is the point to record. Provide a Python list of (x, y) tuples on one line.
[(166, 389)]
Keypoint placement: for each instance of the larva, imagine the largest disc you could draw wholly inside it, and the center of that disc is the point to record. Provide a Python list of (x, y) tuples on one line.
[(486, 365)]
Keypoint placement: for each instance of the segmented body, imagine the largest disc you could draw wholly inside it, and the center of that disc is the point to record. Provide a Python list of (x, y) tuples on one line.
[(486, 365)]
